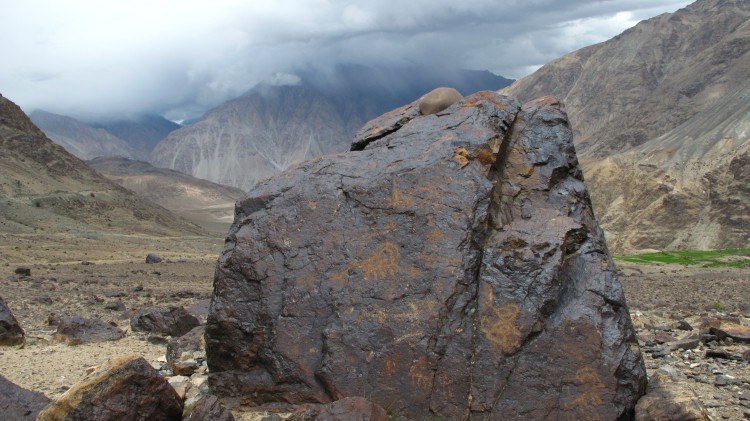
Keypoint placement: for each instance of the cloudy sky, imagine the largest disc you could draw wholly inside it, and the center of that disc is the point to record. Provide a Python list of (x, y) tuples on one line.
[(180, 57)]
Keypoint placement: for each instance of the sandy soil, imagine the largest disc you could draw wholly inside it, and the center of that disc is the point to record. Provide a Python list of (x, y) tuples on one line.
[(79, 277)]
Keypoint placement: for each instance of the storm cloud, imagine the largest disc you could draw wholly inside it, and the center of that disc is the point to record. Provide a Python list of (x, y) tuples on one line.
[(178, 58)]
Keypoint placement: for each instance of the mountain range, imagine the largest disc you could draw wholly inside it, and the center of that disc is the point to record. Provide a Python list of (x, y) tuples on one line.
[(273, 127), (661, 116), (45, 189)]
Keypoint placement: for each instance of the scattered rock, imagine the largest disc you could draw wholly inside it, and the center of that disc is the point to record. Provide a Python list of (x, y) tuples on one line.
[(438, 100), (208, 408), (420, 276), (153, 258), (690, 343), (187, 344), (717, 353), (125, 388), (115, 306), (737, 333), (78, 330), (683, 325), (668, 398), (11, 333), (19, 404), (352, 408), (157, 340), (23, 271), (173, 321)]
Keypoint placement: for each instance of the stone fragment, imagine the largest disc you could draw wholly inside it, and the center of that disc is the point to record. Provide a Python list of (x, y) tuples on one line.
[(683, 325), (394, 271), (79, 330), (190, 343), (11, 333), (737, 333), (718, 353), (438, 100), (123, 389), (23, 271), (347, 409), (173, 321), (19, 404), (689, 343), (153, 258), (669, 398), (208, 408)]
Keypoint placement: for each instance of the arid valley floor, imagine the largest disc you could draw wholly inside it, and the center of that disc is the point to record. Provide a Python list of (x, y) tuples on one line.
[(78, 277)]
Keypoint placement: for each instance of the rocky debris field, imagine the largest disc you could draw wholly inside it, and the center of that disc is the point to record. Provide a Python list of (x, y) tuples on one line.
[(678, 312), (693, 326)]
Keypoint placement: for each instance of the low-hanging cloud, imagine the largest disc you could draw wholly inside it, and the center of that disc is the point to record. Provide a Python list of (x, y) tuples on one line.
[(178, 58)]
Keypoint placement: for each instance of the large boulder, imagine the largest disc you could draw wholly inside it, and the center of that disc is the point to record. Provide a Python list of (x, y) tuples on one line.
[(125, 388), (449, 266), (19, 404), (11, 333)]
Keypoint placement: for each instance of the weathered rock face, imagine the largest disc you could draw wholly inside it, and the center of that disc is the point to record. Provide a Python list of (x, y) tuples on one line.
[(19, 404), (11, 332), (126, 388), (450, 266)]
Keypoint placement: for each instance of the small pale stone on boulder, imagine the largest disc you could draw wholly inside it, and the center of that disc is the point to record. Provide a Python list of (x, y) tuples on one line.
[(123, 389), (438, 100)]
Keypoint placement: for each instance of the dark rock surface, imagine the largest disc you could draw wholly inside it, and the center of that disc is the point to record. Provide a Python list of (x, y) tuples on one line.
[(79, 330), (19, 404), (347, 409), (126, 388), (208, 408), (11, 333), (447, 267), (173, 321), (153, 258)]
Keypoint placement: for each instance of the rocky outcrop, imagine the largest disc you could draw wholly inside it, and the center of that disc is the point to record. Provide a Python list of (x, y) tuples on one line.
[(11, 332), (125, 388), (208, 408), (670, 399), (173, 321), (660, 116), (447, 266), (19, 404)]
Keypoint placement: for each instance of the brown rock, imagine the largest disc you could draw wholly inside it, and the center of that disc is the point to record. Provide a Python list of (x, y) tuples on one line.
[(19, 404), (669, 398), (737, 333), (190, 342), (79, 330), (173, 321), (11, 333), (208, 408), (347, 409), (126, 388), (434, 288)]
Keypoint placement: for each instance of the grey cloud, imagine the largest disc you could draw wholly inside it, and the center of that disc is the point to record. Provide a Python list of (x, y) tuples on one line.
[(180, 58)]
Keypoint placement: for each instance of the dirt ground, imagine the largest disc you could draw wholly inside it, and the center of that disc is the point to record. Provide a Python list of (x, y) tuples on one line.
[(79, 277)]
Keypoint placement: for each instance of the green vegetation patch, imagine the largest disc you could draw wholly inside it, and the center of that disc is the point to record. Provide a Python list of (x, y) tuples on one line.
[(705, 258)]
